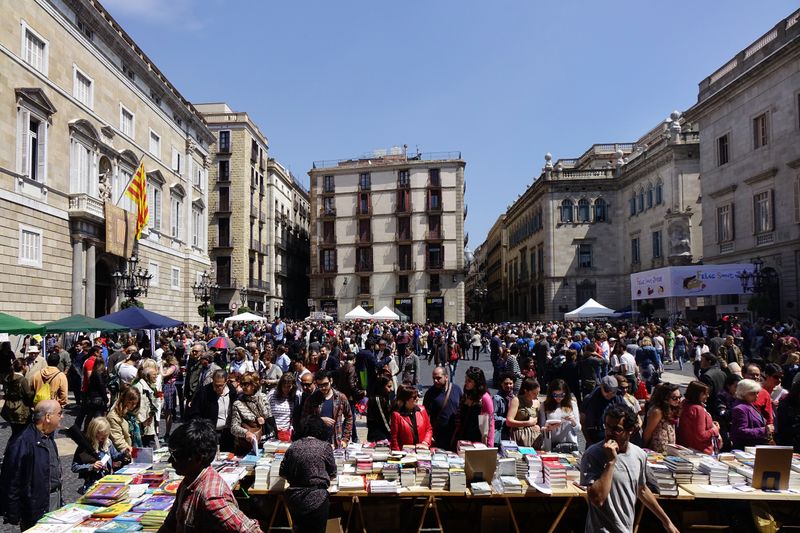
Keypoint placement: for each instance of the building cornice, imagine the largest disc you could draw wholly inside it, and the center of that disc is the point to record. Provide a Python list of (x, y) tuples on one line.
[(762, 176)]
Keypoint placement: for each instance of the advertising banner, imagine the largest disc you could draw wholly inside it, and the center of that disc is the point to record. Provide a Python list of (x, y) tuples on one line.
[(683, 281)]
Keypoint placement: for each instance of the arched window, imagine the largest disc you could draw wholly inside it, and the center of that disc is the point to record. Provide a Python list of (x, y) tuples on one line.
[(650, 197), (640, 201), (659, 192), (583, 210), (600, 210), (566, 211)]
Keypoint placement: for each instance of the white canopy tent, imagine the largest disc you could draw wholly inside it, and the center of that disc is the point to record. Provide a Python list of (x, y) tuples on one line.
[(245, 317), (358, 314), (590, 309), (386, 314)]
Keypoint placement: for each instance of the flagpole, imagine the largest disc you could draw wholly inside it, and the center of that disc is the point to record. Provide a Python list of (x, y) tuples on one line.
[(138, 164)]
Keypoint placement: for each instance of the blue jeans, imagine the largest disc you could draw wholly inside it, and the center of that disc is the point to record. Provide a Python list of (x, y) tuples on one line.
[(453, 365), (354, 437)]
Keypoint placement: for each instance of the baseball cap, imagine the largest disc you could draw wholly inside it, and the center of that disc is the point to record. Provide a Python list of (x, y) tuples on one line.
[(609, 383), (33, 349)]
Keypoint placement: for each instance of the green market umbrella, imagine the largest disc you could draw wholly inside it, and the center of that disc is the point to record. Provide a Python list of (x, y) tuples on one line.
[(81, 323), (17, 326)]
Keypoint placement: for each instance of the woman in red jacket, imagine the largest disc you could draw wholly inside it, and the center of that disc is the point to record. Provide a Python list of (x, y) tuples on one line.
[(696, 430), (410, 423)]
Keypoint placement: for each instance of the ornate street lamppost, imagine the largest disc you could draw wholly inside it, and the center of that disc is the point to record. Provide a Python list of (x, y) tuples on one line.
[(205, 291), (132, 282), (758, 282)]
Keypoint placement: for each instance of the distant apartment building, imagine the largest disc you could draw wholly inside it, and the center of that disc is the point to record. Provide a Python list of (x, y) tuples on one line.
[(584, 225), (388, 230), (81, 105), (252, 199), (496, 245), (748, 111), (290, 210)]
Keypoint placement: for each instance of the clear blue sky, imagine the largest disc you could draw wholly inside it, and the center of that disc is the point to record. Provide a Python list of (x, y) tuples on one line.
[(503, 82)]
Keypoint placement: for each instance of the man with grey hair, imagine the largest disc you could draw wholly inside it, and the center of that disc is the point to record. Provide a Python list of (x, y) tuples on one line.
[(30, 479)]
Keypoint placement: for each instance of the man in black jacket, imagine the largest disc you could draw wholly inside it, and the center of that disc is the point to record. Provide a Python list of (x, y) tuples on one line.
[(30, 480), (713, 376), (214, 402)]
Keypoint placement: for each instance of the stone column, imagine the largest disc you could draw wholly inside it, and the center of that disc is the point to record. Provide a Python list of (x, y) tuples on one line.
[(90, 279), (77, 277)]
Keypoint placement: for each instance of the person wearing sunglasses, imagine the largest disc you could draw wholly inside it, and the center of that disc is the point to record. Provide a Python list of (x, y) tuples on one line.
[(204, 501), (559, 418), (613, 470), (662, 416)]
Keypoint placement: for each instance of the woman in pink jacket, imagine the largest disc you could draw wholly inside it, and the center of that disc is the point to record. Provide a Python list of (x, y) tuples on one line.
[(475, 421), (696, 430)]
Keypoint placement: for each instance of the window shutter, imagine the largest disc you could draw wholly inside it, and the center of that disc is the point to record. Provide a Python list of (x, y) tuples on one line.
[(41, 140), (23, 142), (755, 214), (732, 225), (797, 200), (771, 209), (74, 166)]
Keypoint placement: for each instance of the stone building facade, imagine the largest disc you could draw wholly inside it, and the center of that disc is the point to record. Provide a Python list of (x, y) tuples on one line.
[(388, 230), (749, 117), (81, 105), (585, 224), (259, 215)]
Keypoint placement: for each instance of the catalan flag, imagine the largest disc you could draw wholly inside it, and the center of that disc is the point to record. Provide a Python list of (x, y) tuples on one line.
[(137, 191)]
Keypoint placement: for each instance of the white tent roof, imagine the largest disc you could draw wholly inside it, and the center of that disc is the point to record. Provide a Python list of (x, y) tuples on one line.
[(245, 317), (386, 314), (357, 313), (590, 309)]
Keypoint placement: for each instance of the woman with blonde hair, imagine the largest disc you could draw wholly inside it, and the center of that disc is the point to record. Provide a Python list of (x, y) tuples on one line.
[(102, 459), (124, 431)]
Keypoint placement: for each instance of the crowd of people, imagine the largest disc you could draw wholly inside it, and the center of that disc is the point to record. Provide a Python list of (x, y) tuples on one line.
[(554, 381)]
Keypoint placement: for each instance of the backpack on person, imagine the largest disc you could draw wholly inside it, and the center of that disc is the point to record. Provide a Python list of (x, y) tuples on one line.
[(44, 392)]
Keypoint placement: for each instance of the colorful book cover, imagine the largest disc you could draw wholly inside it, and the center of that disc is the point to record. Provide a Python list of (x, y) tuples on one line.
[(128, 516), (170, 486), (107, 491), (116, 479), (113, 510), (155, 503), (117, 527)]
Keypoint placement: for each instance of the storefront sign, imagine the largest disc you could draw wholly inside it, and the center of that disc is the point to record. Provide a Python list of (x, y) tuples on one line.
[(402, 301), (434, 301), (691, 281)]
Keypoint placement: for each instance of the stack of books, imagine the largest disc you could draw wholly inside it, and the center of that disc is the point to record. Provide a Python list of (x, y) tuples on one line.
[(381, 451), (440, 473), (262, 474), (153, 478), (276, 482), (535, 471), (119, 527), (480, 488), (381, 486), (555, 474), (660, 479), (348, 483), (408, 477), (507, 466), (458, 480), (105, 494), (153, 520), (512, 485), (391, 471), (423, 477), (155, 503), (681, 468), (363, 464), (72, 514), (716, 471)]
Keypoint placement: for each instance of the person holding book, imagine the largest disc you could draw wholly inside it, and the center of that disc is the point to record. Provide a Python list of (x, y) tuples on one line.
[(410, 423), (204, 502), (251, 417), (101, 459), (523, 415), (560, 418), (124, 428)]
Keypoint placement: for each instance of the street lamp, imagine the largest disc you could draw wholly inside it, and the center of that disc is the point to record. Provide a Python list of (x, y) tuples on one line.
[(132, 282), (205, 291), (758, 282), (243, 295)]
